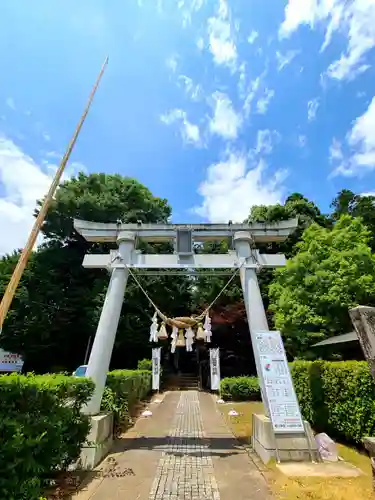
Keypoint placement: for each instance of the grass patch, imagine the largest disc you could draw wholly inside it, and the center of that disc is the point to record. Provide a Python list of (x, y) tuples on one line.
[(312, 488)]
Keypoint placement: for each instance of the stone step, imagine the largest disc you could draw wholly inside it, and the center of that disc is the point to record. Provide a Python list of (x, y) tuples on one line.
[(182, 382)]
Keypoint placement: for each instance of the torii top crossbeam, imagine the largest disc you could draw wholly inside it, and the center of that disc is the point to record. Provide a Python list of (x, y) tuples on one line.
[(261, 232)]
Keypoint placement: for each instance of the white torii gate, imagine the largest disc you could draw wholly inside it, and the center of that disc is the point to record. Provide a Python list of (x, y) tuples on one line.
[(245, 257)]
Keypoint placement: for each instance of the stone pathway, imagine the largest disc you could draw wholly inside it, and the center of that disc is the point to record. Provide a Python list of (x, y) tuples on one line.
[(183, 452), (185, 470)]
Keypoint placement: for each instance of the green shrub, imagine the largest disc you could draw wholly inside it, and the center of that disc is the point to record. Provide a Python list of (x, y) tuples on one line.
[(240, 389), (41, 430), (124, 389), (336, 397), (145, 365)]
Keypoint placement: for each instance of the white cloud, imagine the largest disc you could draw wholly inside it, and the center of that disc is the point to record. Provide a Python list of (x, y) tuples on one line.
[(10, 103), (225, 122), (252, 37), (242, 81), (312, 108), (172, 62), (361, 142), (284, 60), (23, 182), (189, 132), (354, 19), (335, 151), (194, 91), (265, 141), (263, 102), (254, 87), (188, 8), (232, 187), (200, 43), (222, 44)]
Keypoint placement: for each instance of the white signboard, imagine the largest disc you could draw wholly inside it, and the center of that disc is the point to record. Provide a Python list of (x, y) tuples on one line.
[(215, 369), (10, 362), (275, 376), (156, 368)]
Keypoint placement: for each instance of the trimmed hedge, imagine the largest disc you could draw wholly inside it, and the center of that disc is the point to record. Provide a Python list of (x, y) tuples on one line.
[(41, 430), (337, 397), (145, 364), (240, 389), (124, 389)]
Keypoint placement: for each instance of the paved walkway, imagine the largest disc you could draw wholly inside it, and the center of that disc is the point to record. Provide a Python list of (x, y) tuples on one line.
[(183, 452)]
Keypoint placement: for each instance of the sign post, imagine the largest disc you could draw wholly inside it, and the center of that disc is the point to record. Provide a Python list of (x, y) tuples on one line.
[(10, 362), (276, 380), (215, 369), (156, 368)]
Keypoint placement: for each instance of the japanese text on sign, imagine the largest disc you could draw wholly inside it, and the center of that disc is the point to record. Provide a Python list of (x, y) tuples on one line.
[(282, 402)]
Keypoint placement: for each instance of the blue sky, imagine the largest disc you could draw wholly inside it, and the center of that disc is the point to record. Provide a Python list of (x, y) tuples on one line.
[(215, 105)]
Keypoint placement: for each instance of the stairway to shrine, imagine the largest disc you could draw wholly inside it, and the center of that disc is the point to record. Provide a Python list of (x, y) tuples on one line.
[(181, 382)]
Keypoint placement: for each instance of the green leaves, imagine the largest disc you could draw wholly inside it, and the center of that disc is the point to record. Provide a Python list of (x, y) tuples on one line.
[(336, 397), (101, 198), (346, 202), (41, 429), (240, 389), (124, 389), (145, 364), (58, 304), (332, 271)]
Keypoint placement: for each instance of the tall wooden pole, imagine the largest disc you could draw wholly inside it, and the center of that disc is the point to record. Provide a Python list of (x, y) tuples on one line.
[(26, 252)]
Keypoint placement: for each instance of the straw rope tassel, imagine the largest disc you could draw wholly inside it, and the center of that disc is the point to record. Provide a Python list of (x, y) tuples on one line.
[(154, 328), (207, 328), (163, 334), (174, 339), (189, 335)]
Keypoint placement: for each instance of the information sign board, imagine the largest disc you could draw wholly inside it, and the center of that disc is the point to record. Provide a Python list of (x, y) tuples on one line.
[(277, 382)]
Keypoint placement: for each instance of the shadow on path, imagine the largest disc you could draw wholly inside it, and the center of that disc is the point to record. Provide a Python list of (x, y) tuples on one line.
[(213, 446)]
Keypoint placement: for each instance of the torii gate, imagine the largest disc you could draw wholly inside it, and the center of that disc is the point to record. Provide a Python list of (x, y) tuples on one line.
[(245, 257)]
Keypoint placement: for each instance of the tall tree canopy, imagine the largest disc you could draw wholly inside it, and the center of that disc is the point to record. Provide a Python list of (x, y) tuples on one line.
[(332, 271), (296, 205), (346, 202), (58, 304)]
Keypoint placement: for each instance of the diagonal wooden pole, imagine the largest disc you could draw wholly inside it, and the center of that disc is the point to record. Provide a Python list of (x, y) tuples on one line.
[(26, 252)]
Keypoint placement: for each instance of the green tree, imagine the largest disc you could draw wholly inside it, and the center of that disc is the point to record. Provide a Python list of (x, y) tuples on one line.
[(58, 303), (332, 271), (346, 202), (295, 206)]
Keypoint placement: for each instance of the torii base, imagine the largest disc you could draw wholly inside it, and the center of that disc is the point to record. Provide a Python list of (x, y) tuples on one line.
[(291, 447), (98, 443)]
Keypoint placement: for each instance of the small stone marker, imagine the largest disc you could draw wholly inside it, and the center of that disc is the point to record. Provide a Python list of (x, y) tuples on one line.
[(233, 413), (327, 447)]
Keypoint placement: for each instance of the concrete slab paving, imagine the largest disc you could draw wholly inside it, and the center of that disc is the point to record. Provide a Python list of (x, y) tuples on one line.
[(128, 471), (183, 452), (236, 472)]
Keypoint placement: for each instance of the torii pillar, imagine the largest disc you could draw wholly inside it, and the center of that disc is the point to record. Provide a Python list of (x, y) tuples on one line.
[(101, 352), (256, 314)]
